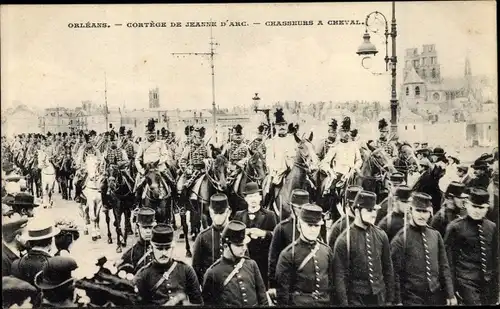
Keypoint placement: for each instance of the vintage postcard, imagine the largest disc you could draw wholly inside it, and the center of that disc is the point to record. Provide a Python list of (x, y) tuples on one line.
[(274, 154)]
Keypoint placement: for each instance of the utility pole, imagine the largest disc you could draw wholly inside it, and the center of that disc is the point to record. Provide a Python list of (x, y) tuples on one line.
[(106, 100), (58, 119), (212, 67)]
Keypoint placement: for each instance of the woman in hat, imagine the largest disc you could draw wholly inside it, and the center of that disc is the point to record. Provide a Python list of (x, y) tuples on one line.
[(472, 246), (421, 268), (67, 236), (234, 280)]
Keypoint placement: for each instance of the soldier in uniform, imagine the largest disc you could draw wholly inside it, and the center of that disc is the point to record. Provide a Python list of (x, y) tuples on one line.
[(260, 224), (141, 253), (193, 161), (328, 142), (472, 246), (257, 144), (284, 234), (363, 267), (57, 283), (453, 207), (152, 153), (207, 246), (395, 180), (395, 219), (188, 130), (128, 146), (389, 146), (304, 273), (341, 224), (166, 281), (340, 163), (280, 154), (235, 151), (234, 280), (421, 269)]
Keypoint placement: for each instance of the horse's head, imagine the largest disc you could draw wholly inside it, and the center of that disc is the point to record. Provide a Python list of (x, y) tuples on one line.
[(215, 151), (153, 180), (380, 162), (256, 166), (305, 152), (218, 171)]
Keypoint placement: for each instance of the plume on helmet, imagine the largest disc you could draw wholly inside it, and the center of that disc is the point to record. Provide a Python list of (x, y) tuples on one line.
[(346, 124), (382, 124)]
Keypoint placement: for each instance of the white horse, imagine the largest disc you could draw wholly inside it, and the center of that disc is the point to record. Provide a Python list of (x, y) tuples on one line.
[(92, 192), (48, 177)]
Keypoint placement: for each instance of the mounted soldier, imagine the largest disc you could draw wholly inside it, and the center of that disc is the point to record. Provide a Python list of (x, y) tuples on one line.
[(329, 141), (383, 141), (193, 161), (188, 130), (236, 150), (128, 146), (257, 144)]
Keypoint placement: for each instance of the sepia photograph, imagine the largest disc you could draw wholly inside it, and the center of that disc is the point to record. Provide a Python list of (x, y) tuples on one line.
[(250, 154)]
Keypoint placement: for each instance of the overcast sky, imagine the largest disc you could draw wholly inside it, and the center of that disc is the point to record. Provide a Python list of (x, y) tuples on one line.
[(44, 63)]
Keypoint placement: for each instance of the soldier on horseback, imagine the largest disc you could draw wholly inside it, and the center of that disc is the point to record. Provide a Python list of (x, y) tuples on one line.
[(329, 141), (235, 151), (341, 161), (151, 153), (184, 144), (193, 160), (257, 144), (383, 141)]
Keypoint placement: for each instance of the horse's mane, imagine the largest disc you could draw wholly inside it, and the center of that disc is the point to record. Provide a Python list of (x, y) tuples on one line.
[(219, 162)]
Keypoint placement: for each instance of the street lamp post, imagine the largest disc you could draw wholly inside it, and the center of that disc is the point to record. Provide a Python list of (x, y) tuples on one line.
[(367, 49)]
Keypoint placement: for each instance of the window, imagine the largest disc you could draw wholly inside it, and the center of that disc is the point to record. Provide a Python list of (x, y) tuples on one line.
[(415, 63), (436, 96), (417, 91), (433, 73), (424, 61), (414, 127), (407, 91), (423, 73), (406, 127), (429, 48), (433, 60)]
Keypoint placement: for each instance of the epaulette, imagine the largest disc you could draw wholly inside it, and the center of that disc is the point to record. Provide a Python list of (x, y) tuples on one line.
[(205, 230), (217, 262), (180, 261), (319, 240), (431, 228), (143, 268)]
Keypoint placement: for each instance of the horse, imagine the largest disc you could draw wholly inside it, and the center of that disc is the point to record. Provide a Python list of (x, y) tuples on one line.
[(119, 193), (374, 173), (48, 175), (253, 170), (305, 162), (65, 171), (34, 177), (92, 187), (198, 196)]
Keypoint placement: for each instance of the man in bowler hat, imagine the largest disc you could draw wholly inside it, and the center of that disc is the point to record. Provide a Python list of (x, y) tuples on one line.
[(421, 269), (363, 266), (395, 180), (304, 273), (141, 253), (207, 246), (284, 234), (472, 246), (11, 242), (234, 280), (395, 219), (166, 281), (260, 224), (453, 207)]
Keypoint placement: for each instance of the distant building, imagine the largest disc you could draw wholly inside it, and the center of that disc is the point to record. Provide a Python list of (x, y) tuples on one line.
[(154, 98), (21, 119)]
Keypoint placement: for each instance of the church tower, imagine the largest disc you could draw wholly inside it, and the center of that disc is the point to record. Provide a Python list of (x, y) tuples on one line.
[(430, 69), (154, 98)]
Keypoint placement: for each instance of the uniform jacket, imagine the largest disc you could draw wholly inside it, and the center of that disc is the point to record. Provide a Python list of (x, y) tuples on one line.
[(352, 274), (193, 154), (391, 227), (139, 255), (150, 153), (235, 151), (8, 257), (311, 285), (464, 250), (389, 147), (206, 250), (258, 145), (337, 228), (444, 216), (181, 280), (409, 261), (259, 248), (29, 265), (245, 288), (282, 237), (342, 158), (324, 146), (280, 153)]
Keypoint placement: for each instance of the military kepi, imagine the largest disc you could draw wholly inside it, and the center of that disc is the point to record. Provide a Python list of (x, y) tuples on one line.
[(366, 199), (312, 214), (352, 192), (235, 233), (421, 201), (299, 197), (162, 235), (219, 203), (479, 197), (403, 193), (146, 216)]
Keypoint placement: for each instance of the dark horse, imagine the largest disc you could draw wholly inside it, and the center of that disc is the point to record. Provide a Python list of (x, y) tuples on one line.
[(34, 176), (198, 196), (253, 170), (305, 162), (66, 171), (157, 194), (121, 199)]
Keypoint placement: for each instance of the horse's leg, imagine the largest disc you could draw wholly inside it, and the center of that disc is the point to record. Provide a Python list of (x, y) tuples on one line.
[(92, 208), (108, 220), (70, 186), (168, 210), (185, 229), (128, 214), (117, 212)]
